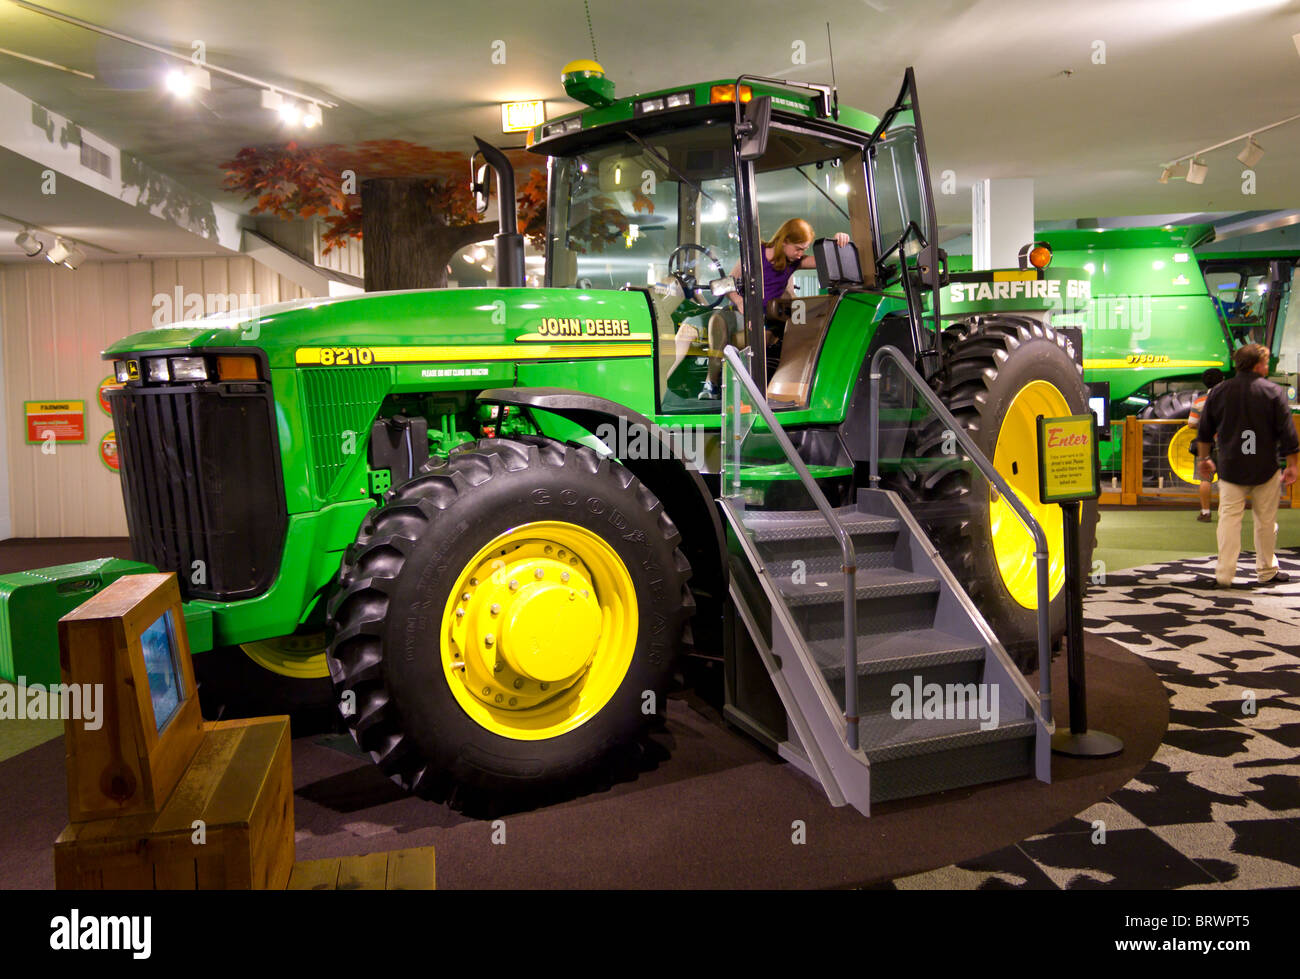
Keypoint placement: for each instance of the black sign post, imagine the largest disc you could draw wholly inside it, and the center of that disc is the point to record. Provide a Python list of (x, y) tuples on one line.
[(1067, 474)]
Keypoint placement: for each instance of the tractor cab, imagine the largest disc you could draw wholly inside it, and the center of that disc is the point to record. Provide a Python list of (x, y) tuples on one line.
[(1251, 294), (680, 194)]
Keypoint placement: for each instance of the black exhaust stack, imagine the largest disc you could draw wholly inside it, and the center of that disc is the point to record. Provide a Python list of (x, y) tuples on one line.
[(509, 242)]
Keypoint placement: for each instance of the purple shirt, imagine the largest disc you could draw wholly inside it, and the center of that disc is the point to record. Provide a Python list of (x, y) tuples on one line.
[(774, 282)]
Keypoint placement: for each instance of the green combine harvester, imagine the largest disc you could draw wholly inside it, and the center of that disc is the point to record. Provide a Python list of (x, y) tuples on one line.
[(1162, 315), (497, 519)]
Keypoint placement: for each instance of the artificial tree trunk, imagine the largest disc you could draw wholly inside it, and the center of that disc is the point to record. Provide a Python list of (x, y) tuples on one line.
[(407, 245)]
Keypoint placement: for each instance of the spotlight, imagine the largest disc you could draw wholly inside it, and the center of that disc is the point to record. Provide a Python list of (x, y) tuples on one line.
[(182, 82), (1171, 172), (29, 243), (75, 257), (58, 252), (290, 113), (480, 253), (311, 117), (1251, 153), (178, 84), (1196, 171)]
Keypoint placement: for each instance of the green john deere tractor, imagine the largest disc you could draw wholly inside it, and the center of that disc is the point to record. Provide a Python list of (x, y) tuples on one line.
[(491, 515)]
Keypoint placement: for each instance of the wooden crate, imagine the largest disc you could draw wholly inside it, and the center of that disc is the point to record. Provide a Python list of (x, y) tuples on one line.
[(396, 870), (239, 784)]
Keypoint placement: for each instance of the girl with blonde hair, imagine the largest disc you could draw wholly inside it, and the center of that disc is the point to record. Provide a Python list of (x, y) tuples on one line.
[(783, 255)]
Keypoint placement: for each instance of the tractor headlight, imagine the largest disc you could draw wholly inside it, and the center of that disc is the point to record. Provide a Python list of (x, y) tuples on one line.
[(189, 369), (157, 369), (561, 127), (120, 371)]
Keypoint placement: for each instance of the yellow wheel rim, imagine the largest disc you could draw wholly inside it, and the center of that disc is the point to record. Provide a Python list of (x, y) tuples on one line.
[(539, 630), (1181, 461), (298, 657), (1015, 457)]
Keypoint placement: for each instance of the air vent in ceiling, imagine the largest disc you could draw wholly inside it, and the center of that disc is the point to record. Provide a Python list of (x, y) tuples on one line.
[(96, 159)]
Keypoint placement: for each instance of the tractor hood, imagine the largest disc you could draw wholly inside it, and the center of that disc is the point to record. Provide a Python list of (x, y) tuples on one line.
[(418, 325)]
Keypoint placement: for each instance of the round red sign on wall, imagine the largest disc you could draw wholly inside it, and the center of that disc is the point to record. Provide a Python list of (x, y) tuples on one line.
[(107, 384), (108, 451)]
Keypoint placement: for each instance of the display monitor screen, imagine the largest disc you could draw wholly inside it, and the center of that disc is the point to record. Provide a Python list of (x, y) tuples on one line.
[(1099, 405), (162, 665)]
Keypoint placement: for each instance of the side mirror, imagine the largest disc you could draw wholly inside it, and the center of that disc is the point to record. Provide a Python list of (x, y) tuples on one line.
[(480, 188), (754, 127)]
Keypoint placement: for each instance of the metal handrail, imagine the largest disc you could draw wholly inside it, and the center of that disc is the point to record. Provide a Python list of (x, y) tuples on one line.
[(993, 476), (850, 565)]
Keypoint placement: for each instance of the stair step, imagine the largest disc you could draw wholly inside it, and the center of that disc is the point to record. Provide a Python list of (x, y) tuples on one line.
[(884, 737), (822, 563), (974, 764), (777, 525), (871, 583), (892, 651)]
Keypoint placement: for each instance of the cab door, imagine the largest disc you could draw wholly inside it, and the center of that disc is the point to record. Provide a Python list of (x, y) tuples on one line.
[(903, 215)]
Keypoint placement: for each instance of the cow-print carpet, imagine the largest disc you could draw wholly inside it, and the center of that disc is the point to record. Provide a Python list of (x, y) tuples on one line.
[(1218, 806)]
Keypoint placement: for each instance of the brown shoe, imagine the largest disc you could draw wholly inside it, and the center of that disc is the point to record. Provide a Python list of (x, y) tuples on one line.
[(1204, 517)]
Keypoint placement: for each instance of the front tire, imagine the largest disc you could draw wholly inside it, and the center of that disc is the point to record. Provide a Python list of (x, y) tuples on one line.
[(507, 621)]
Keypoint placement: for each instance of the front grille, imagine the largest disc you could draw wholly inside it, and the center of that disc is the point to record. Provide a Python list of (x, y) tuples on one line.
[(202, 485), (337, 401)]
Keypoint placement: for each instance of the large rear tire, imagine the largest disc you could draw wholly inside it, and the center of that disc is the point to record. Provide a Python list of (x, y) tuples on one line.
[(506, 621), (997, 374)]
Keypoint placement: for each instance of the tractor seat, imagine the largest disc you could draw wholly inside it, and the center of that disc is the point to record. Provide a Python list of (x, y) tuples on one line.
[(838, 267)]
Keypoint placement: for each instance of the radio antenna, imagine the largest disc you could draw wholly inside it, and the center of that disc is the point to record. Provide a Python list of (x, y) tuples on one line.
[(835, 92)]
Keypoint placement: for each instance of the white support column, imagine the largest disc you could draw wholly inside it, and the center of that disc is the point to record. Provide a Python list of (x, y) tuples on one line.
[(1002, 222)]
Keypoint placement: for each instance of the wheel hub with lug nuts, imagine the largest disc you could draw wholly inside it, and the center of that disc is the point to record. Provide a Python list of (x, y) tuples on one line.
[(537, 617)]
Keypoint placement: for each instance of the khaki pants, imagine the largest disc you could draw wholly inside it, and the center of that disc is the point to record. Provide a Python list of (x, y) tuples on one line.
[(1232, 504)]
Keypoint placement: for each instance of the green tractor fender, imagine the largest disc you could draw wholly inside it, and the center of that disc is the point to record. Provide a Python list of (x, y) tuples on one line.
[(678, 485)]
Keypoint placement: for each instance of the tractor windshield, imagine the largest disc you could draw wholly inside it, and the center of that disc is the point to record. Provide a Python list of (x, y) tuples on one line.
[(658, 209)]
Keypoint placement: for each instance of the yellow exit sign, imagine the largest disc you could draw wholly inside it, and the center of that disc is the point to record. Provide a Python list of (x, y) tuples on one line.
[(518, 116)]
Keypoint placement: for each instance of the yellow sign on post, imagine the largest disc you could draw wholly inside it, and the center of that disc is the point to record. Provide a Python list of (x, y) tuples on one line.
[(1067, 459)]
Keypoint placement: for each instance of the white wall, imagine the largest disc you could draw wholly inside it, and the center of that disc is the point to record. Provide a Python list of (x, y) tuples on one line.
[(53, 324)]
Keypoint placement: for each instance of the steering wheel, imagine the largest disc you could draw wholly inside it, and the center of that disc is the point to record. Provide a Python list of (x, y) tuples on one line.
[(687, 278)]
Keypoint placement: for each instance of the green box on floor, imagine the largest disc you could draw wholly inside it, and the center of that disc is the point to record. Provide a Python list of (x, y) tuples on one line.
[(31, 604)]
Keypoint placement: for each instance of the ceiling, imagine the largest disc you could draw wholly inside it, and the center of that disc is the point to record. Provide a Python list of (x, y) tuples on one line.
[(1008, 89), (104, 227)]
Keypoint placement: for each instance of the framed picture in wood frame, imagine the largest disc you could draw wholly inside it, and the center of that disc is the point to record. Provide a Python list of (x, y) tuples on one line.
[(129, 639)]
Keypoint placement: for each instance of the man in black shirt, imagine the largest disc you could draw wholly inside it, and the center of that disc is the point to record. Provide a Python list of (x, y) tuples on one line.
[(1249, 416)]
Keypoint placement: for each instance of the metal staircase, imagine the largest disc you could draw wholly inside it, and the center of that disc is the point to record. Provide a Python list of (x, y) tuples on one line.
[(935, 702)]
